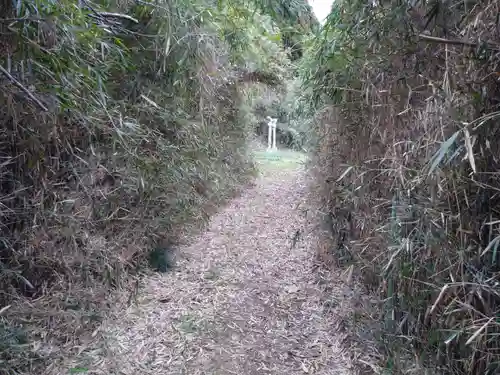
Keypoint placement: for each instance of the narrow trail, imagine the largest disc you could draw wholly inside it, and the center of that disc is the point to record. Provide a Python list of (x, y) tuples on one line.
[(242, 300)]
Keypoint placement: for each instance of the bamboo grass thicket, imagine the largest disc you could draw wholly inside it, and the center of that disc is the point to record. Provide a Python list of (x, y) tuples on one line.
[(406, 159), (122, 128)]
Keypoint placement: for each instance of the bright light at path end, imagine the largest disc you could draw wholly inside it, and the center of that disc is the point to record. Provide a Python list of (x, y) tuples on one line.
[(321, 8)]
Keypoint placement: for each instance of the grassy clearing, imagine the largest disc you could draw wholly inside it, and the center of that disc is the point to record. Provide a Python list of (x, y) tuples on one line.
[(279, 160)]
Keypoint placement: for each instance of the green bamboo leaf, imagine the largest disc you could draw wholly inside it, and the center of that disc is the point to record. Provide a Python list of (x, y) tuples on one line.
[(78, 370), (441, 153)]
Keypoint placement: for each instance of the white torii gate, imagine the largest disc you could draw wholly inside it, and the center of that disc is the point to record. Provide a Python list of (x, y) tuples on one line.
[(271, 134)]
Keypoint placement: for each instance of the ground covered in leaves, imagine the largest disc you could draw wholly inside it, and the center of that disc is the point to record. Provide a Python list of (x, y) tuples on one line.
[(244, 298)]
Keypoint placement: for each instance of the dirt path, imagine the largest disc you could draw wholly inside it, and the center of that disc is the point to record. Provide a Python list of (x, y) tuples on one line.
[(242, 299)]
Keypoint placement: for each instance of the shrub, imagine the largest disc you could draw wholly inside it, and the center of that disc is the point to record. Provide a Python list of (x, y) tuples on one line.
[(406, 160), (120, 129)]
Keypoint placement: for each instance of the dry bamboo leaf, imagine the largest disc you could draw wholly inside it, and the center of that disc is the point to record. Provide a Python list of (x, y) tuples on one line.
[(478, 332), (344, 173), (441, 153), (304, 367), (5, 308), (470, 152), (438, 299)]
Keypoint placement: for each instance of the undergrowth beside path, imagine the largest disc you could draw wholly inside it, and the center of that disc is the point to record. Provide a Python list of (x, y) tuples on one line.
[(403, 98), (243, 298), (123, 126)]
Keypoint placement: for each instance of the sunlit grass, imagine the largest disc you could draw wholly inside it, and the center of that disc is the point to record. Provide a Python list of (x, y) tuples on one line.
[(279, 160)]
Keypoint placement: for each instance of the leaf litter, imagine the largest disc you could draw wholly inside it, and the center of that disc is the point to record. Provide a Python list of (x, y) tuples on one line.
[(241, 299)]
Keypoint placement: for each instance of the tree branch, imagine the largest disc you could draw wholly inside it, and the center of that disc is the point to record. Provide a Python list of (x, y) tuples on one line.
[(24, 89), (435, 39)]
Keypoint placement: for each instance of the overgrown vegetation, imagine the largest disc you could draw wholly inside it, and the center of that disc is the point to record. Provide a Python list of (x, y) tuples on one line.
[(406, 161), (121, 128)]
